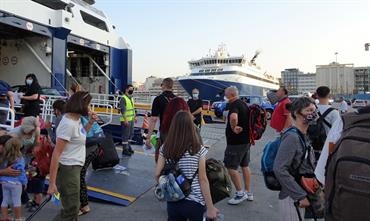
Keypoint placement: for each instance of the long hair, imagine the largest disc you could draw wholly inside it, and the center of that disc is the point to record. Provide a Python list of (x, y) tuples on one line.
[(79, 103), (12, 150), (182, 137), (175, 105)]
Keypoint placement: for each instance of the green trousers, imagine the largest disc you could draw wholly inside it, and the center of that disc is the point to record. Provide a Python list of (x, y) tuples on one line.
[(68, 183)]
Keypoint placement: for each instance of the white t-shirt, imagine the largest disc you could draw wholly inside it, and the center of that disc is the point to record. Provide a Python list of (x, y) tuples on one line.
[(343, 107), (330, 118), (73, 132), (333, 136)]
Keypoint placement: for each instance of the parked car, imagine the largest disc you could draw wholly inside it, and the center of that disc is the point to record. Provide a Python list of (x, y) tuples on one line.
[(359, 103), (220, 106)]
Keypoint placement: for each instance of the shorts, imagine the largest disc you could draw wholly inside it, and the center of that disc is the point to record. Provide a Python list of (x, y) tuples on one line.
[(237, 155), (36, 185)]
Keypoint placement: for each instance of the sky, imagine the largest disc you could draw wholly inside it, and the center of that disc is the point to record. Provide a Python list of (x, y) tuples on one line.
[(165, 35)]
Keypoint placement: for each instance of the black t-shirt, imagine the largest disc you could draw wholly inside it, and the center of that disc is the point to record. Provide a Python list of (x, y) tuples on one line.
[(240, 108), (193, 106), (160, 103), (32, 108)]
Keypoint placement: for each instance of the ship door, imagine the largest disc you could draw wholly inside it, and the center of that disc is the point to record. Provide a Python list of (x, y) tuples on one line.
[(88, 65)]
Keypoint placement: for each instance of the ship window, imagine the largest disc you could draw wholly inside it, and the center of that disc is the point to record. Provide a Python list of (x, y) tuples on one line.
[(94, 21), (55, 5), (201, 71), (207, 70)]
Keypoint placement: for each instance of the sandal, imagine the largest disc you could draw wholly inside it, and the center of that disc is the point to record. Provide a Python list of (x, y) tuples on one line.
[(84, 210)]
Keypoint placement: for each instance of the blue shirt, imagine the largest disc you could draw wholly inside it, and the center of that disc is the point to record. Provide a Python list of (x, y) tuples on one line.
[(19, 164)]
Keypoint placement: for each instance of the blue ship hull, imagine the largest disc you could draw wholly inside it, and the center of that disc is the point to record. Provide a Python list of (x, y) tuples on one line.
[(213, 90)]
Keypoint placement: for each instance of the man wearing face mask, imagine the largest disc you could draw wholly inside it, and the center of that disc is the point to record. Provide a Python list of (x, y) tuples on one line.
[(195, 104), (127, 119), (237, 153)]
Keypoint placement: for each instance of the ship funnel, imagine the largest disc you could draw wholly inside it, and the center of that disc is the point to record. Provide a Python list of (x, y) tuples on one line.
[(253, 60)]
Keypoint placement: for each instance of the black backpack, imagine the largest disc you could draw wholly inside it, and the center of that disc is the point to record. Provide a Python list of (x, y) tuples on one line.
[(219, 180), (347, 183), (317, 133)]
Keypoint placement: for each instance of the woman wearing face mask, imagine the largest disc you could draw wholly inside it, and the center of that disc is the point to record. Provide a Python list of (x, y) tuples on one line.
[(31, 99), (196, 104), (28, 132), (295, 157)]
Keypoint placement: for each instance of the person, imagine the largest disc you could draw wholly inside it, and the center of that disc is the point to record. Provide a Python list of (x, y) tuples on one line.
[(182, 144), (237, 151), (176, 104), (158, 107), (323, 95), (58, 109), (12, 186), (28, 133), (92, 152), (333, 136), (127, 119), (69, 155), (196, 105), (343, 107), (6, 100), (31, 99), (295, 157), (281, 118)]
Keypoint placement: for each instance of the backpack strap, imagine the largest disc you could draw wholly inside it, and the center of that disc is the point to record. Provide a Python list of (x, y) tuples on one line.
[(326, 113)]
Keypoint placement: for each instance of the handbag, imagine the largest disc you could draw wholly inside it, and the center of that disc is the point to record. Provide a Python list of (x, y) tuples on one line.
[(315, 196)]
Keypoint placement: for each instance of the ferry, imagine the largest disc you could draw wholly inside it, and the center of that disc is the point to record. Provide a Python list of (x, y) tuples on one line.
[(62, 42), (65, 42), (217, 71)]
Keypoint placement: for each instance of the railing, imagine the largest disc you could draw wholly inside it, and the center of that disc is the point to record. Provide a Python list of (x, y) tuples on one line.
[(10, 118)]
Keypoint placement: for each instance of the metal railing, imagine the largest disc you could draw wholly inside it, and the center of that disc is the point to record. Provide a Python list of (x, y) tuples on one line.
[(10, 118)]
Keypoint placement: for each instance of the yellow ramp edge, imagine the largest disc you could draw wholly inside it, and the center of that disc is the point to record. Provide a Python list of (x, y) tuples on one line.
[(121, 196)]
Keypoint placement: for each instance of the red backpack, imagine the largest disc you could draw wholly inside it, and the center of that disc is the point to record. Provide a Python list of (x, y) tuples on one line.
[(257, 122), (43, 153)]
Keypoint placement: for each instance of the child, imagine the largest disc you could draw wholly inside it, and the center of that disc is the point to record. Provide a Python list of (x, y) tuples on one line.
[(12, 186)]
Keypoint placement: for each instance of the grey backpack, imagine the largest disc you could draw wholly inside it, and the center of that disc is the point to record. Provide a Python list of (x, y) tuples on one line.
[(347, 184)]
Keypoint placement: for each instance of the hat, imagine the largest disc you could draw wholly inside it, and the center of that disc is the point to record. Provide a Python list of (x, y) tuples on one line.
[(29, 124)]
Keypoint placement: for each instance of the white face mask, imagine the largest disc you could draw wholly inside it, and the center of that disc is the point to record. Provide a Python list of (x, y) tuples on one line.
[(226, 99), (195, 96), (29, 81)]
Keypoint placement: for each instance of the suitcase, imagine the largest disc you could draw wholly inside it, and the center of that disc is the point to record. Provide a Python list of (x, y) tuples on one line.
[(107, 154), (29, 218)]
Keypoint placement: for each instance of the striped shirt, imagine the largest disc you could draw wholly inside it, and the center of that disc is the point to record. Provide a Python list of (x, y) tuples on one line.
[(189, 165)]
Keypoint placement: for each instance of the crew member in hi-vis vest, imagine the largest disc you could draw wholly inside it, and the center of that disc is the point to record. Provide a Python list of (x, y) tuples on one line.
[(127, 119)]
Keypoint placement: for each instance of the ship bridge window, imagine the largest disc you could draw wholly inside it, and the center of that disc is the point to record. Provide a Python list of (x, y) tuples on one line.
[(55, 5), (94, 21), (207, 70), (201, 71)]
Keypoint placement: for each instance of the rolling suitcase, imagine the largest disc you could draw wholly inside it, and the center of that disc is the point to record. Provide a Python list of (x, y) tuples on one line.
[(29, 218), (107, 154)]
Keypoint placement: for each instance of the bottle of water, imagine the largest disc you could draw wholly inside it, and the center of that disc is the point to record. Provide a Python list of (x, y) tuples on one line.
[(220, 217)]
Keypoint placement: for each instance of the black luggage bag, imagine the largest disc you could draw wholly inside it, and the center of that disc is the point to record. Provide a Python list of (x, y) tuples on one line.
[(107, 156)]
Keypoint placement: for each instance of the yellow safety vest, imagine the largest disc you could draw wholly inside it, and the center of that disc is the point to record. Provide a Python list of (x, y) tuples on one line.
[(129, 114)]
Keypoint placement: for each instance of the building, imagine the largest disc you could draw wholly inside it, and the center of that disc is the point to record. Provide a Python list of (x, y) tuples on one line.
[(338, 77), (306, 83), (362, 79), (298, 82), (289, 78)]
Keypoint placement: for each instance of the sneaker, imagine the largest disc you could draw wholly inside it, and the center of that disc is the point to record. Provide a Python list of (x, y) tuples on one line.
[(131, 150), (250, 196), (237, 199), (34, 208), (30, 204)]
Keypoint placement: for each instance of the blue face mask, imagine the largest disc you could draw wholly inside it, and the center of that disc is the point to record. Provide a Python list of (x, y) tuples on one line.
[(28, 141)]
